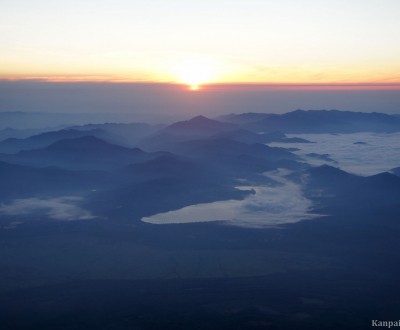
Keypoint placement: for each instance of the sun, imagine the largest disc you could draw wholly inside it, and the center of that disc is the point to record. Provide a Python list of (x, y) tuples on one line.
[(195, 72)]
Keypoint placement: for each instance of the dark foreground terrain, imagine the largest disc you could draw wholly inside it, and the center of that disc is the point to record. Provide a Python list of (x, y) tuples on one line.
[(75, 253), (318, 274), (294, 300)]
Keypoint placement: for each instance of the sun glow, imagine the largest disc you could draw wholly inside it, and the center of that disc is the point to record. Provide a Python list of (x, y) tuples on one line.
[(195, 72)]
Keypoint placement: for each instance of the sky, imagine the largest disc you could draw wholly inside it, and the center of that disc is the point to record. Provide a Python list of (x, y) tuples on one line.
[(198, 42)]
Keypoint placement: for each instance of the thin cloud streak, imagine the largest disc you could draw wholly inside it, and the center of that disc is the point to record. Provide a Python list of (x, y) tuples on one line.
[(61, 208), (255, 86)]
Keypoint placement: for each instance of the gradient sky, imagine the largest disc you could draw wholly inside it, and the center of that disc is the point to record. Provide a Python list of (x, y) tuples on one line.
[(285, 41)]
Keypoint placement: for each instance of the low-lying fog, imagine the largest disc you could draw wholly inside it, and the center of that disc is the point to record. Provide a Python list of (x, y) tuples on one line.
[(269, 206)]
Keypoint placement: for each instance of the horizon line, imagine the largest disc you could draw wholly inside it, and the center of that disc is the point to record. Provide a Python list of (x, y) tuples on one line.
[(215, 85)]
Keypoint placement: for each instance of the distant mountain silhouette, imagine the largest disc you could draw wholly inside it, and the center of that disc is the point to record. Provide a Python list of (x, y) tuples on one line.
[(8, 133), (232, 157), (325, 121), (395, 171), (325, 157), (195, 128), (241, 135), (384, 182), (330, 176), (122, 134), (87, 143), (200, 126), (243, 118), (87, 152), (45, 139), (245, 136)]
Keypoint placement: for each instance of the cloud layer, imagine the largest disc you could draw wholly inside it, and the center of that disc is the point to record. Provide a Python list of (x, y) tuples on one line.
[(61, 208), (358, 153), (268, 207)]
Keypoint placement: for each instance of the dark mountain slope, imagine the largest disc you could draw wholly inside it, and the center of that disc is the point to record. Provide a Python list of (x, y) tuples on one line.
[(209, 148), (22, 181), (337, 191), (87, 152)]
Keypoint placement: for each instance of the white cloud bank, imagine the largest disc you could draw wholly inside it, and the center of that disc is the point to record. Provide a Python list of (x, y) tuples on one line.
[(268, 207), (60, 208), (377, 152)]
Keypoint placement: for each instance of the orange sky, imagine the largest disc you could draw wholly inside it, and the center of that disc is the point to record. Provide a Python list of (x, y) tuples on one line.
[(332, 44)]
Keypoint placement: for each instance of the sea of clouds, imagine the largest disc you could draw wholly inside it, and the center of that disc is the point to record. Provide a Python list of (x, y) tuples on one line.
[(357, 153)]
